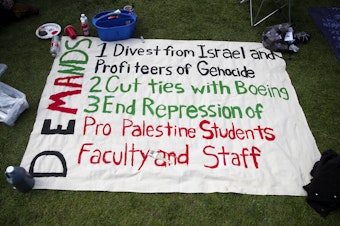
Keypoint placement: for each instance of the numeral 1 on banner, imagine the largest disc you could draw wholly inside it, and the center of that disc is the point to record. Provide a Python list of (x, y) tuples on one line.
[(103, 50)]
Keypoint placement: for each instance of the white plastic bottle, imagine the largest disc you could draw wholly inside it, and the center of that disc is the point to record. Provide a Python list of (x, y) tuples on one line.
[(84, 23), (54, 49)]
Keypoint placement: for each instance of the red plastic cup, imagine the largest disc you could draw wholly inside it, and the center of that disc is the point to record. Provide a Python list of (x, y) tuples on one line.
[(70, 31)]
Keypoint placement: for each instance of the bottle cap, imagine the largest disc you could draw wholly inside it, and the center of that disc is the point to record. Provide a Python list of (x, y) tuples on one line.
[(10, 169)]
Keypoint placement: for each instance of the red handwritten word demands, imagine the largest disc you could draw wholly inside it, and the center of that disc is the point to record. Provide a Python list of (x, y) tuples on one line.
[(74, 71)]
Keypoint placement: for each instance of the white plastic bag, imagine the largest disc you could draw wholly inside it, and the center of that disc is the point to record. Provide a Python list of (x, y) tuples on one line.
[(12, 104)]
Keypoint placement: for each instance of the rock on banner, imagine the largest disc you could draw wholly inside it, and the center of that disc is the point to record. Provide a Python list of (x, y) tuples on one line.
[(159, 116)]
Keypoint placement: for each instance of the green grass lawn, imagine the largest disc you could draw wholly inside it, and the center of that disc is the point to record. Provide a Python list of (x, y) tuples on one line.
[(314, 73)]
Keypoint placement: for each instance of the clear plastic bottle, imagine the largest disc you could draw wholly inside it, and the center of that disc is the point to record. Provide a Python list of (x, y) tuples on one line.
[(84, 23), (54, 49)]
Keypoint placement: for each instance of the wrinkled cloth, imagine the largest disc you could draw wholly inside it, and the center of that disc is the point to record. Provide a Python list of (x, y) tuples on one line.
[(324, 188), (273, 37)]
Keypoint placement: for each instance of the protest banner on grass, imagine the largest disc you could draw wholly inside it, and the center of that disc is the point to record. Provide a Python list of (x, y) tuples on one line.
[(170, 116)]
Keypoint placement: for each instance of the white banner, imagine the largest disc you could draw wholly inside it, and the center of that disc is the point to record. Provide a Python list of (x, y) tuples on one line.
[(170, 116)]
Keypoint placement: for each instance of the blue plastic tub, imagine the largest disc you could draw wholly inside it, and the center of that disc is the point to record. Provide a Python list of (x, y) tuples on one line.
[(112, 27)]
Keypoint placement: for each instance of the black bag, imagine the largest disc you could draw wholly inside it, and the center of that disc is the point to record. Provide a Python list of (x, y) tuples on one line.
[(324, 189)]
